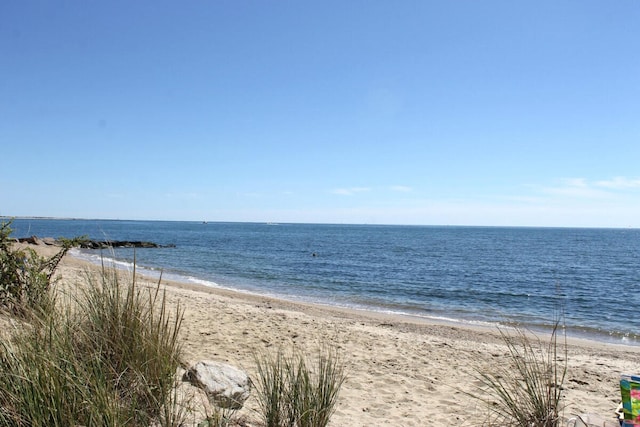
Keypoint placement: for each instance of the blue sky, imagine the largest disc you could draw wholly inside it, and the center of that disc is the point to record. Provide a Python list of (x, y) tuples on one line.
[(397, 112)]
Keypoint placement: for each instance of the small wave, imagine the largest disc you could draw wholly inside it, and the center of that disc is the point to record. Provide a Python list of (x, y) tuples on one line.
[(156, 273), (198, 281), (99, 259), (437, 318), (125, 265)]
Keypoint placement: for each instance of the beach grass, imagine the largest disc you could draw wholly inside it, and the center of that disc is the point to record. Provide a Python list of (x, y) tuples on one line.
[(109, 359), (298, 390), (528, 391)]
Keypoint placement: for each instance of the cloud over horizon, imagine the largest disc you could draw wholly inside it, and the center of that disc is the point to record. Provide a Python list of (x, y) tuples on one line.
[(583, 188), (619, 182), (350, 191)]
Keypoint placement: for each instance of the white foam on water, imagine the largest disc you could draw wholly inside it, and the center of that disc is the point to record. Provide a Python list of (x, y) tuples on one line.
[(101, 259)]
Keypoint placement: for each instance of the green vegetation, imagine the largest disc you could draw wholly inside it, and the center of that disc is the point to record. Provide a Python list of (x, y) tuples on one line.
[(110, 363), (222, 417), (109, 360), (528, 391), (295, 391), (25, 277)]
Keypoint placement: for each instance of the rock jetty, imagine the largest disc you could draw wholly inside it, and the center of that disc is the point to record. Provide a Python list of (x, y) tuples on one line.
[(94, 244)]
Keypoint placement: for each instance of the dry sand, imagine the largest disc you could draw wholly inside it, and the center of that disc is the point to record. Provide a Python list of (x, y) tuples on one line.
[(401, 372)]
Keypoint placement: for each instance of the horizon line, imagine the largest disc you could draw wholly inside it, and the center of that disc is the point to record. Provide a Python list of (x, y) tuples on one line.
[(38, 217)]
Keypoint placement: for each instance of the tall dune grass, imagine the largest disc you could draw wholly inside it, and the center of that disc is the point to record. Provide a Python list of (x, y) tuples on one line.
[(110, 360)]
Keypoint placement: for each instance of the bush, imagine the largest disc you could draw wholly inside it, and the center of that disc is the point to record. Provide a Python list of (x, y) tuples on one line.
[(26, 277), (528, 391), (109, 361), (293, 394)]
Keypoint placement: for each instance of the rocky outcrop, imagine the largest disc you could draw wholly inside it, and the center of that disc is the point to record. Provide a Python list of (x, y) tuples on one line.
[(34, 240), (225, 385), (95, 244), (103, 244)]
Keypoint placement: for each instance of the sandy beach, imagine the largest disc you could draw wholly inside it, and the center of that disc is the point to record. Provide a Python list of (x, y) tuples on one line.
[(401, 371)]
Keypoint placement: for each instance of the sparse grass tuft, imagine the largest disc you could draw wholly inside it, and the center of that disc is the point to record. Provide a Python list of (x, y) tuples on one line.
[(272, 388), (221, 417), (297, 391), (528, 391)]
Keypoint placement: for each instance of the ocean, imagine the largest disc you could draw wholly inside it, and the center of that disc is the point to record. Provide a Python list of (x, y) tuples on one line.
[(470, 275)]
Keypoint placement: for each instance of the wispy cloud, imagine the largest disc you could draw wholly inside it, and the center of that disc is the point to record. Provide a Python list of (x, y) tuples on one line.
[(401, 188), (576, 188), (585, 189), (350, 191), (619, 183)]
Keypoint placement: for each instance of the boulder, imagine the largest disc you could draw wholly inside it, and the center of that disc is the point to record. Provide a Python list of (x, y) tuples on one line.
[(226, 386), (32, 240), (191, 401)]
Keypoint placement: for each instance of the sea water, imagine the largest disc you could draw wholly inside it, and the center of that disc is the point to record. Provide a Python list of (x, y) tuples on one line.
[(488, 275)]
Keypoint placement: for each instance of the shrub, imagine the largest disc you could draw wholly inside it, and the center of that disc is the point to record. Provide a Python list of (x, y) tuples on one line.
[(110, 361), (296, 391), (26, 277), (528, 391)]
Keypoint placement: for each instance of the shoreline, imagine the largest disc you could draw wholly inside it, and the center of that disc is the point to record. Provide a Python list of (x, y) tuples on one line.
[(178, 279), (400, 371), (406, 272), (403, 321)]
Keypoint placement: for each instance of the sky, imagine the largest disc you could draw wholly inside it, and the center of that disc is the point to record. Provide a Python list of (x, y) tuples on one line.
[(496, 113)]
